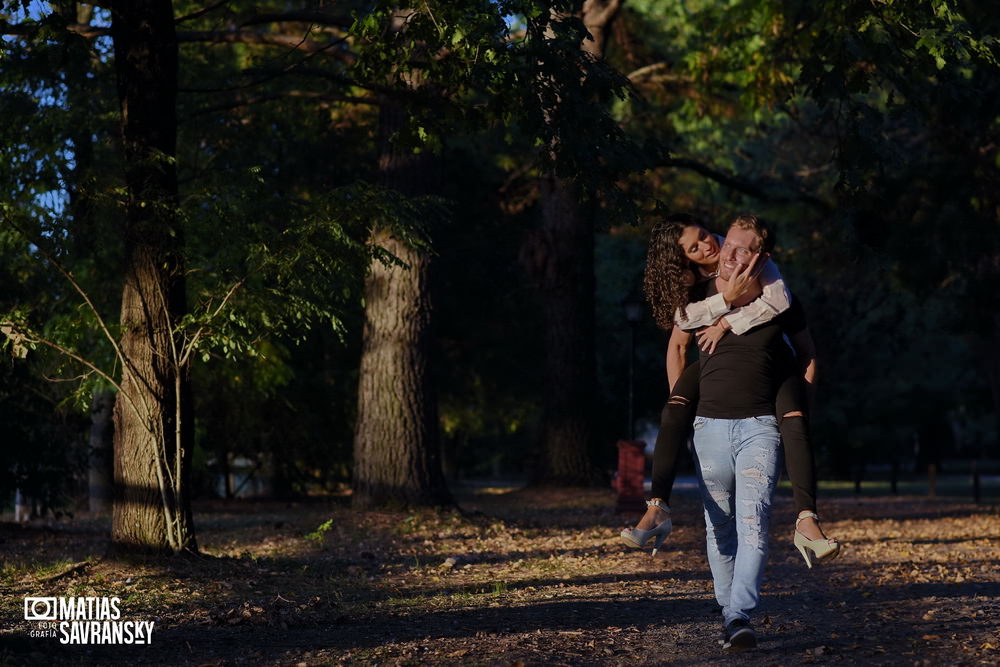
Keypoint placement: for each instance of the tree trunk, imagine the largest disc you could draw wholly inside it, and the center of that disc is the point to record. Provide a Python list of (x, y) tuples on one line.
[(566, 279), (152, 510), (597, 17), (396, 440), (101, 452), (562, 260)]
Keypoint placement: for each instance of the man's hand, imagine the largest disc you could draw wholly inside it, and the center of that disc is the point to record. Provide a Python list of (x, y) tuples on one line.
[(709, 337), (740, 283)]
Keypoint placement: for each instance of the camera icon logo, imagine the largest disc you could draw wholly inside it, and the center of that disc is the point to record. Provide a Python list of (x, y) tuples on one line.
[(40, 609)]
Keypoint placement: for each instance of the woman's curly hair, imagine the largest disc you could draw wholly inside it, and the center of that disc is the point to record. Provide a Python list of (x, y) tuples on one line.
[(666, 282)]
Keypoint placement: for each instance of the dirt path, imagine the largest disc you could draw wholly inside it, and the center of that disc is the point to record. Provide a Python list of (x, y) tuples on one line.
[(534, 578)]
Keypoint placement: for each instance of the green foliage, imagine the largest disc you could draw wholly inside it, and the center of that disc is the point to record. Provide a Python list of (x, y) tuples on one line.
[(294, 265), (866, 133), (318, 535), (273, 245), (534, 80)]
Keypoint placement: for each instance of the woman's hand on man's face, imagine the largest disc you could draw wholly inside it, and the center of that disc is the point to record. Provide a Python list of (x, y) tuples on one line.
[(741, 282)]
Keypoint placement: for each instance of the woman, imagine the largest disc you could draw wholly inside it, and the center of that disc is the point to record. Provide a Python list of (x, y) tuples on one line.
[(681, 253)]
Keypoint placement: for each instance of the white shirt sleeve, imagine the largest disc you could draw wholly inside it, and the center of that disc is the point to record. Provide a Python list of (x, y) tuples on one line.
[(773, 301), (702, 313)]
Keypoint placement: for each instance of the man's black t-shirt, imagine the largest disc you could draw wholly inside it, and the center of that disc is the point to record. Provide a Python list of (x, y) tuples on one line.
[(741, 378)]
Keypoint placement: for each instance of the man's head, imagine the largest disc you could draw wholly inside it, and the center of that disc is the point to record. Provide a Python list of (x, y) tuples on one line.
[(747, 236)]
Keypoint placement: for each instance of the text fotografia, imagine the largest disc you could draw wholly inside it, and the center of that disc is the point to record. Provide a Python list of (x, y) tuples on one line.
[(85, 620)]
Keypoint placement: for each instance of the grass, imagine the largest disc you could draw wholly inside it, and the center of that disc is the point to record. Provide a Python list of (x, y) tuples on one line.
[(15, 571), (318, 535), (950, 486)]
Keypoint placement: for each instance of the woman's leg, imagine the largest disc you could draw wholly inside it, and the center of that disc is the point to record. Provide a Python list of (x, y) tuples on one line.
[(675, 426), (800, 464)]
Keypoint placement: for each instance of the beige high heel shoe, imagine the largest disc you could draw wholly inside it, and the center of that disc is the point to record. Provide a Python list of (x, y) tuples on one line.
[(821, 549), (637, 538)]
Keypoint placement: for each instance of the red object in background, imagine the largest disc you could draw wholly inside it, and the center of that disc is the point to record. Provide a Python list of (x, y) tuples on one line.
[(631, 476)]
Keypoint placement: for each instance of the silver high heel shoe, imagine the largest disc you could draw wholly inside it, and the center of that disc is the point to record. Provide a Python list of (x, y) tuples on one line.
[(821, 549), (637, 538)]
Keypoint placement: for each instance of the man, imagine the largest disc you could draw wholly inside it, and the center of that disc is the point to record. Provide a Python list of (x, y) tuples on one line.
[(736, 438)]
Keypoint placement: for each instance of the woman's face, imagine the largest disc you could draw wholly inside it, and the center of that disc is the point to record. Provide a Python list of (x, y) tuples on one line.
[(699, 245)]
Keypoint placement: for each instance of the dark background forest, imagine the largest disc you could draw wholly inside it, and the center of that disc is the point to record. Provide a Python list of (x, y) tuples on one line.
[(321, 246)]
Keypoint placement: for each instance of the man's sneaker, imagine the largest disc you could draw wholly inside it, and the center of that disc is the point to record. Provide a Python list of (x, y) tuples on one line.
[(740, 637)]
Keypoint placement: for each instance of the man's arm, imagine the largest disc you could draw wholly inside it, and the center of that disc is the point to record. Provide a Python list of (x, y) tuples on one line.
[(676, 354), (773, 301)]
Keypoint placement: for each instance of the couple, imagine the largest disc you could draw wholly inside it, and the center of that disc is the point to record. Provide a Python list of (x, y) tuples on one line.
[(744, 396)]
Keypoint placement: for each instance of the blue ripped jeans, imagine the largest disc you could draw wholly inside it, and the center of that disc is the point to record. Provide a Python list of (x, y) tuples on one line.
[(738, 464)]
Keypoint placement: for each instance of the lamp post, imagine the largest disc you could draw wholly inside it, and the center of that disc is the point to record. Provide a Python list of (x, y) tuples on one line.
[(633, 314)]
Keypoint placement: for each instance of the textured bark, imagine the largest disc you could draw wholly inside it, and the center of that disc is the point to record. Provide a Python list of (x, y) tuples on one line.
[(562, 260), (564, 269), (152, 430), (597, 17), (396, 441)]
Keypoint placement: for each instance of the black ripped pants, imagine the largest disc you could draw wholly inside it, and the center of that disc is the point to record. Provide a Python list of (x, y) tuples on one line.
[(675, 427)]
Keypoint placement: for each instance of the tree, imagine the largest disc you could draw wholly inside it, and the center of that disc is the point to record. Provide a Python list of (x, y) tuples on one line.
[(271, 273), (560, 256), (153, 428), (397, 445), (836, 120), (396, 442), (463, 63)]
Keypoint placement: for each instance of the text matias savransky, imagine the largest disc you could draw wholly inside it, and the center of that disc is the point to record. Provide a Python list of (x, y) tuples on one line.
[(85, 620)]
